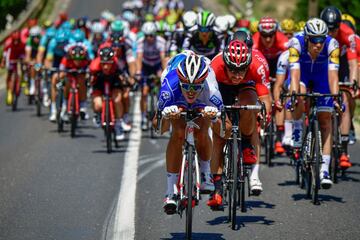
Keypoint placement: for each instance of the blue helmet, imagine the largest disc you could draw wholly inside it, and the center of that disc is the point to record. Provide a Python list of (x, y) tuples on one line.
[(66, 25), (51, 32), (61, 36), (78, 35)]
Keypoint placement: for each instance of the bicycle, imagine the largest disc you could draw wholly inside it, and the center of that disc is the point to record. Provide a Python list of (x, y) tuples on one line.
[(153, 83), (16, 88), (235, 170), (267, 133), (311, 148), (189, 177)]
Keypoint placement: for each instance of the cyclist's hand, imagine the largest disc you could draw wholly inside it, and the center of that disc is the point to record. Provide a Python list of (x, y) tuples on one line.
[(291, 106), (278, 105), (340, 108), (210, 112), (37, 66), (2, 64), (171, 112), (137, 77)]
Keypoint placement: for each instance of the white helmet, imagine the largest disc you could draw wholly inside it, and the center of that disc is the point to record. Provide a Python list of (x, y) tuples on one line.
[(194, 68), (35, 31), (149, 28), (107, 15), (128, 5), (315, 27), (189, 19), (97, 27), (231, 20), (205, 19), (221, 24), (138, 4)]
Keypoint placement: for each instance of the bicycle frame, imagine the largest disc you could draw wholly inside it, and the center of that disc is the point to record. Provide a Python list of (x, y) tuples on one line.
[(107, 99)]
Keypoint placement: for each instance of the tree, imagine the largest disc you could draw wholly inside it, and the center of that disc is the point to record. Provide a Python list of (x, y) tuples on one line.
[(351, 7), (13, 7)]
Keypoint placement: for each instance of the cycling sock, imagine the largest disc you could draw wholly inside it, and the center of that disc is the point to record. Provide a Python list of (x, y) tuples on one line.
[(172, 179), (344, 143), (217, 178), (255, 171), (279, 132), (204, 166), (288, 128), (326, 163), (53, 107)]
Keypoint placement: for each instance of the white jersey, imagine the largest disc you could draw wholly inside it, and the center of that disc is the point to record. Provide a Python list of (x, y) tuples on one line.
[(151, 52)]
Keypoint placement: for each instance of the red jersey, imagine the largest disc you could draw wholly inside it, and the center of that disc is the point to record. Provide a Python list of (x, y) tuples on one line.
[(12, 51), (69, 64), (279, 46), (95, 66), (357, 39), (258, 72), (24, 34), (347, 42)]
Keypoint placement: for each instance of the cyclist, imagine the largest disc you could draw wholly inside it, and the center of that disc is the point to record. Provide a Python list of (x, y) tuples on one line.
[(347, 72), (55, 52), (31, 51), (288, 27), (105, 67), (271, 42), (98, 35), (76, 58), (314, 60), (189, 82), (14, 50), (204, 39), (242, 73), (78, 36), (150, 60)]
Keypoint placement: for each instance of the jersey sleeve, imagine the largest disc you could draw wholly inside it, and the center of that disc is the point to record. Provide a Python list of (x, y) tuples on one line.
[(283, 63), (160, 44), (51, 48), (214, 96), (334, 54), (140, 45), (166, 95), (294, 53)]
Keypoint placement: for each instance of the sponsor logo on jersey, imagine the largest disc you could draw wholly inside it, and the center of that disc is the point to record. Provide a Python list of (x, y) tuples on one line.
[(215, 100), (293, 55), (334, 56)]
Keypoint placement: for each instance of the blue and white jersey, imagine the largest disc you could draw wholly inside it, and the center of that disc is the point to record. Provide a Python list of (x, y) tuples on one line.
[(315, 70), (170, 92)]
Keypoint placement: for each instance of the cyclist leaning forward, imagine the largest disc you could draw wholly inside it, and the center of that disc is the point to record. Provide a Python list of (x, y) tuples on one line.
[(242, 73), (187, 82), (314, 61)]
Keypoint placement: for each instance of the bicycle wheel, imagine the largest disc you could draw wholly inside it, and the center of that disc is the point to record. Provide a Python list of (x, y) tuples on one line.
[(234, 187), (190, 185), (59, 102), (107, 126), (228, 177), (268, 143), (315, 166), (73, 115), (16, 93), (335, 150), (305, 166), (38, 97)]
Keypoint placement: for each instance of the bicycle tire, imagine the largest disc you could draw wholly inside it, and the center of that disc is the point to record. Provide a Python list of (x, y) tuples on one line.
[(316, 164), (107, 126), (38, 98), (306, 171), (234, 188), (190, 185), (228, 174), (59, 101), (73, 115), (16, 92), (335, 150)]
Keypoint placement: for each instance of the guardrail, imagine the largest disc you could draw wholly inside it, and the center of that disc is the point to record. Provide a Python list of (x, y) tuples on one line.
[(33, 10)]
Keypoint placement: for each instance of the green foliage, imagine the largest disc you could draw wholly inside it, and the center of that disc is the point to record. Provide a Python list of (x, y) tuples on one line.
[(14, 7), (346, 6)]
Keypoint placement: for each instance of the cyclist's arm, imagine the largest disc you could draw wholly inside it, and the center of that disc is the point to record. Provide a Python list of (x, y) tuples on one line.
[(281, 70), (28, 51), (139, 55), (334, 61), (352, 57), (294, 62)]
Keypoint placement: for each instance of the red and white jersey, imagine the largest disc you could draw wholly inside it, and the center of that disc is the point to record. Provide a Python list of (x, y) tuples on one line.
[(258, 72), (67, 63), (279, 46), (12, 51), (357, 40), (347, 42)]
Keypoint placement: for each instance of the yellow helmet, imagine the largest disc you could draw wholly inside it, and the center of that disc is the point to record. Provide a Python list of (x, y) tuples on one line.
[(288, 25), (254, 26), (349, 18), (300, 25)]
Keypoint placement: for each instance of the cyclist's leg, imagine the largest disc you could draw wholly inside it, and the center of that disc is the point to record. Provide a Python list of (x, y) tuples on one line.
[(97, 103), (118, 106), (345, 123), (83, 96)]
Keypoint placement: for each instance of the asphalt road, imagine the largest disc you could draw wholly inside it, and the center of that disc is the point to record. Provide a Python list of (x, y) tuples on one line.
[(55, 187)]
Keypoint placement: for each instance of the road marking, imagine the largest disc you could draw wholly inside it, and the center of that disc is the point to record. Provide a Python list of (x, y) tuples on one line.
[(152, 159), (153, 166), (124, 227)]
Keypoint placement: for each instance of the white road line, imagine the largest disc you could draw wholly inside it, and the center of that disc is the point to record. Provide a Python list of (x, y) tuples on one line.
[(153, 166), (152, 159), (124, 227)]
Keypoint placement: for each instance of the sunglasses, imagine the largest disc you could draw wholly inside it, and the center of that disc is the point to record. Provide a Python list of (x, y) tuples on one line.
[(237, 71), (316, 40), (150, 36), (191, 86), (267, 35), (204, 29)]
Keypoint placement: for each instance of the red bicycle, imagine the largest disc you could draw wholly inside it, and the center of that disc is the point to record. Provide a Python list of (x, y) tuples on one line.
[(16, 83)]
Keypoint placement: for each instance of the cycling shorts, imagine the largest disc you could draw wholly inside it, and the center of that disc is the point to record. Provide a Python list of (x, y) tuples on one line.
[(230, 92), (99, 86), (148, 70)]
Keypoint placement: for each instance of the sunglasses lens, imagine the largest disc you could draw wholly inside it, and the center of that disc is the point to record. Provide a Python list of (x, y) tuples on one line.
[(317, 39)]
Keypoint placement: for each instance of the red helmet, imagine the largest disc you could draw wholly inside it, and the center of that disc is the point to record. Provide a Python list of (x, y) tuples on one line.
[(15, 36), (243, 23), (63, 16), (237, 55), (267, 25), (32, 22)]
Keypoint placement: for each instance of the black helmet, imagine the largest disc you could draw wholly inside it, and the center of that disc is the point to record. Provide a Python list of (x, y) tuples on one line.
[(107, 55), (242, 36), (331, 16)]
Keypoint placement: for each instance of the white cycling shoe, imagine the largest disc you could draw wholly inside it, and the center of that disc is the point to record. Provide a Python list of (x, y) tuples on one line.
[(325, 180), (52, 116), (170, 204), (119, 133), (255, 186)]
